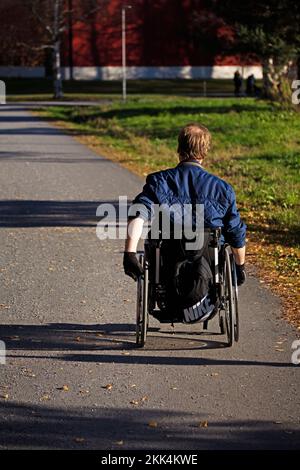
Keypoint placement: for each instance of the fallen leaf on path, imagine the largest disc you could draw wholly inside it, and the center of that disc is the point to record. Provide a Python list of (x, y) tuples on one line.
[(126, 353), (79, 440), (64, 388), (134, 402), (78, 339), (45, 398), (4, 396), (152, 424), (203, 424), (145, 398), (108, 386)]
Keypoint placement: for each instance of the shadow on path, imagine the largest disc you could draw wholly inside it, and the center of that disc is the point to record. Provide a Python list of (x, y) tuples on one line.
[(19, 213), (82, 343), (36, 426)]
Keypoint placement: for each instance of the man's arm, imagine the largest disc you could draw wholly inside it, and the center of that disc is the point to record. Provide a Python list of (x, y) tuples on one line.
[(131, 264), (239, 254), (235, 235), (134, 233), (144, 200)]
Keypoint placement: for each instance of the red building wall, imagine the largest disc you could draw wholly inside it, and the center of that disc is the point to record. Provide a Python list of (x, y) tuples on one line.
[(158, 34)]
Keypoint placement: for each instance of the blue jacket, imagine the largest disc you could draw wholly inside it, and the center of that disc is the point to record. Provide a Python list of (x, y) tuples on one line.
[(189, 183)]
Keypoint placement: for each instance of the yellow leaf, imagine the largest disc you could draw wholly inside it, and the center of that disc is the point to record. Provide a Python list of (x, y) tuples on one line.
[(203, 424), (134, 402), (45, 397), (108, 386), (64, 388), (152, 424)]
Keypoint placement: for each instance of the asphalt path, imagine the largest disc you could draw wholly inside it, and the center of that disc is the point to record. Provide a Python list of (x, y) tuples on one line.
[(72, 378)]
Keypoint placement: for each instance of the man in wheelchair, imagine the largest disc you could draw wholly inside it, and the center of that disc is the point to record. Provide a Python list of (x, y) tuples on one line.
[(186, 273)]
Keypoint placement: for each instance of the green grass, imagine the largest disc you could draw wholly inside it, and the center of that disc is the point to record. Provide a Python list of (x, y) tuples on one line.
[(256, 147), (42, 89)]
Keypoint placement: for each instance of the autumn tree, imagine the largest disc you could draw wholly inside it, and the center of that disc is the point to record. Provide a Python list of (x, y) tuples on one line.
[(269, 29)]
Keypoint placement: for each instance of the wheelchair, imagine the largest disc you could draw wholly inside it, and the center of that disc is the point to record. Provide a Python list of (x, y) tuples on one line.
[(151, 285)]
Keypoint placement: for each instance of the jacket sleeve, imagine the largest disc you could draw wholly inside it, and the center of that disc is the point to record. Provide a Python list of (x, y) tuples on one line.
[(234, 229), (142, 205)]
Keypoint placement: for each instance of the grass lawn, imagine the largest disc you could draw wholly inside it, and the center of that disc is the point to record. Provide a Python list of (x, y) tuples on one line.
[(256, 147), (20, 89)]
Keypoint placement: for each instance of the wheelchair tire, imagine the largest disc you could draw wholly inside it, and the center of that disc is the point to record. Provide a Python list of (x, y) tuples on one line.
[(229, 298), (236, 298), (142, 317)]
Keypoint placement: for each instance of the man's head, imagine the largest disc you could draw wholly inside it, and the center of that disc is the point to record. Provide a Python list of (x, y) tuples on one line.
[(193, 142)]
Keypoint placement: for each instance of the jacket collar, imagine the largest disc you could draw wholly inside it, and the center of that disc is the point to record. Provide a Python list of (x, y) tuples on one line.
[(190, 162)]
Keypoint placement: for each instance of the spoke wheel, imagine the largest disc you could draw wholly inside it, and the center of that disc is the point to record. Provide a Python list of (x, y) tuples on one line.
[(229, 299), (142, 318)]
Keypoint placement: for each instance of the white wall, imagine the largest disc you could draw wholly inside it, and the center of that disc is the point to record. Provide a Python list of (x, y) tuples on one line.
[(188, 72), (115, 73)]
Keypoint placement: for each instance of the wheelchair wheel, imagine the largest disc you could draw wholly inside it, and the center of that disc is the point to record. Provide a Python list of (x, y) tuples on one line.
[(142, 318), (229, 298), (236, 297)]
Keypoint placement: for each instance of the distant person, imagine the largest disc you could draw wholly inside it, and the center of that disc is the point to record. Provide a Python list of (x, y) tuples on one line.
[(238, 82), (250, 85)]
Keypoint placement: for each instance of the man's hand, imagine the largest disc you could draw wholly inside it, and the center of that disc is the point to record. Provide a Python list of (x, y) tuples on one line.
[(240, 274), (131, 265)]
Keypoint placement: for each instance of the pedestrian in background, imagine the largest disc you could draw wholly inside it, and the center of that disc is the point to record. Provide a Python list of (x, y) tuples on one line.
[(238, 82)]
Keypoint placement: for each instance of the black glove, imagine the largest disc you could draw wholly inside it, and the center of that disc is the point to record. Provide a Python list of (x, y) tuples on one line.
[(131, 265), (240, 274)]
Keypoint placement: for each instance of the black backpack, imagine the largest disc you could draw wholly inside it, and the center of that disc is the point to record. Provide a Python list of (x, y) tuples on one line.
[(190, 292), (192, 281)]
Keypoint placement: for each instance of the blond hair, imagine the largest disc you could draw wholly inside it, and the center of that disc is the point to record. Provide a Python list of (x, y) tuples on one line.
[(193, 142)]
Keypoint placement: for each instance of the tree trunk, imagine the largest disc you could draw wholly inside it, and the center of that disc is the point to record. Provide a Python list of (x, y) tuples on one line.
[(57, 78), (270, 83), (276, 82)]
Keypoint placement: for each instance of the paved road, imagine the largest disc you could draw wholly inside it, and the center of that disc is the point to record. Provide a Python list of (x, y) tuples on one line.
[(67, 317)]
